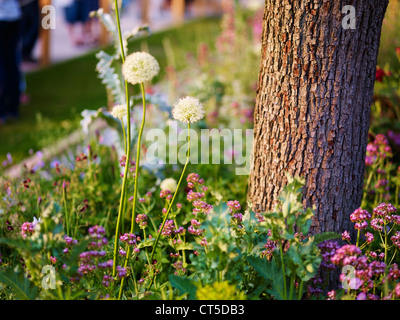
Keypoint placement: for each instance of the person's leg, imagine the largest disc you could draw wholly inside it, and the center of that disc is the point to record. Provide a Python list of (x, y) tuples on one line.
[(30, 31), (3, 77), (10, 74), (71, 18)]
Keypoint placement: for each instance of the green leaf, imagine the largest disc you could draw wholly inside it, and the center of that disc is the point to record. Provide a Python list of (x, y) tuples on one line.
[(270, 272), (185, 246), (184, 285), (19, 284), (147, 243), (318, 238)]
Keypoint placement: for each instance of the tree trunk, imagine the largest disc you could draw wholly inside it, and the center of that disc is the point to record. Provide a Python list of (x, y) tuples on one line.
[(312, 112)]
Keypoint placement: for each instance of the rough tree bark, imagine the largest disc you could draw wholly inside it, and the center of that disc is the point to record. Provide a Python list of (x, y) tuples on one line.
[(312, 111)]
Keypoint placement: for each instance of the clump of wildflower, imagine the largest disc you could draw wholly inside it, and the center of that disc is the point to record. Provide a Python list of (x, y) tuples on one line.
[(106, 280), (386, 211), (331, 295), (179, 269), (27, 228), (121, 272), (140, 67), (119, 111), (314, 287), (169, 184), (192, 195), (359, 216), (378, 149), (168, 229), (194, 178), (328, 250), (165, 193), (201, 207), (181, 230), (234, 205), (346, 255), (369, 237), (188, 110), (129, 238), (260, 217), (269, 249), (194, 228), (96, 234), (70, 242), (141, 219), (396, 239), (377, 224), (122, 162)]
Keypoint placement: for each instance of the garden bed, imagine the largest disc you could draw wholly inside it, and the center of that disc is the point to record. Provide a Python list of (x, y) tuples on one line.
[(101, 219)]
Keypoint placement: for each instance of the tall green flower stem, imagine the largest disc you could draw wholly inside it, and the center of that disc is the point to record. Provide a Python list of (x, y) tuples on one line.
[(283, 272), (139, 142), (127, 144), (128, 251), (171, 203)]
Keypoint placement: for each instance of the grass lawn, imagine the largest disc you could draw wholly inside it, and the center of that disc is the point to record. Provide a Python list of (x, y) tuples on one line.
[(60, 92)]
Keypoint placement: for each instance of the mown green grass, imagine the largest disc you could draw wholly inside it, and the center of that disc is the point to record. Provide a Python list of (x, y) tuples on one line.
[(60, 92)]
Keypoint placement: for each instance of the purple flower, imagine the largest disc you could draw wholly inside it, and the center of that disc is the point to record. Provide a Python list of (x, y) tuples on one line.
[(233, 205), (370, 237), (346, 236)]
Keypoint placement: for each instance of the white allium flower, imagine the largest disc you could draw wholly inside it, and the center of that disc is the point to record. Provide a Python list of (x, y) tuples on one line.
[(119, 111), (188, 109), (168, 184), (140, 67)]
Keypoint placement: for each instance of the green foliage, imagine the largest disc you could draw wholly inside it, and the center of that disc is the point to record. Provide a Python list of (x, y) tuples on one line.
[(22, 287), (296, 257), (184, 285)]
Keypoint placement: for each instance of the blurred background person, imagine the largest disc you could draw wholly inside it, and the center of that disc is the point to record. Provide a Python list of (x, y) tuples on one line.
[(10, 55), (30, 27), (77, 15)]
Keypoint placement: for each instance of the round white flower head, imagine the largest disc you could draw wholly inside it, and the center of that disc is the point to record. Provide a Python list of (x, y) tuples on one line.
[(119, 111), (168, 184), (188, 109), (140, 67)]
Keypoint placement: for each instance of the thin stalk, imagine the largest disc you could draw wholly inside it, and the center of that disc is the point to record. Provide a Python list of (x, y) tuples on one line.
[(300, 290), (292, 280), (66, 210), (172, 202), (283, 272), (358, 237), (128, 251), (124, 133), (128, 143), (138, 158)]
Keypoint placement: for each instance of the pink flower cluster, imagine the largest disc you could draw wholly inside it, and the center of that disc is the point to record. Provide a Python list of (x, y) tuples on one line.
[(378, 149), (383, 215), (93, 259), (27, 228), (364, 272), (169, 229), (269, 249), (141, 220), (96, 234), (360, 217), (237, 217), (194, 228)]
